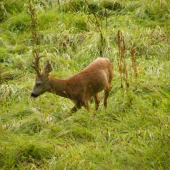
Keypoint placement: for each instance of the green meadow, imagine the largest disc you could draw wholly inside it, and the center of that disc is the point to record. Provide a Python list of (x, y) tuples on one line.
[(133, 133)]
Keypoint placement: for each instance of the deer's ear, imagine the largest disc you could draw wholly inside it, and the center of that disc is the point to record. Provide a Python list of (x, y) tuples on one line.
[(47, 69)]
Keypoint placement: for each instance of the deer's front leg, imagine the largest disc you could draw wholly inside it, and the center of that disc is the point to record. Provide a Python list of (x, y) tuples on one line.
[(76, 107), (79, 104)]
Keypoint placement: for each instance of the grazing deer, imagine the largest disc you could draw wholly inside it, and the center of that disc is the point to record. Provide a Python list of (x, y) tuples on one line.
[(80, 87)]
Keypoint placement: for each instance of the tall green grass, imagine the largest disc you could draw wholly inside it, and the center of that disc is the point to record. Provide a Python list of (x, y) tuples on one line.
[(133, 133)]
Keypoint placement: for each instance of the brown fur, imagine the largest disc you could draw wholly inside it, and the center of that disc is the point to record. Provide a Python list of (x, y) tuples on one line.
[(79, 88)]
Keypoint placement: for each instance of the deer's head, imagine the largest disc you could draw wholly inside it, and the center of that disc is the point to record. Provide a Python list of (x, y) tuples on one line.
[(42, 78)]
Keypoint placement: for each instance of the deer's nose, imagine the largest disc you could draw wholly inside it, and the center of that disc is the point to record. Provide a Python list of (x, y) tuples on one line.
[(34, 95)]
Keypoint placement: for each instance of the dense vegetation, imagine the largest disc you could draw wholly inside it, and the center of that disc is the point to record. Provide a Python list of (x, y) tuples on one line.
[(133, 133)]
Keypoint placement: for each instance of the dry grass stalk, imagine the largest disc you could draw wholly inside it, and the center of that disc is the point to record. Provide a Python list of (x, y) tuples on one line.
[(0, 75), (99, 28), (58, 1), (134, 64)]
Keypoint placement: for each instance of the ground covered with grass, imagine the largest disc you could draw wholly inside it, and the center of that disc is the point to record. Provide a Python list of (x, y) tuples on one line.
[(133, 133)]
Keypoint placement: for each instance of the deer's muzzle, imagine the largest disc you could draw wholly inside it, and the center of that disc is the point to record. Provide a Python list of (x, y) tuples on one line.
[(34, 95)]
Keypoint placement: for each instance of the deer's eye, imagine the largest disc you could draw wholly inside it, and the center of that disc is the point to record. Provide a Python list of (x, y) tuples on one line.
[(38, 84)]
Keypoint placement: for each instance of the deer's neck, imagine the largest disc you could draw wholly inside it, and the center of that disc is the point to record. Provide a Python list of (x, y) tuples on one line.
[(58, 86)]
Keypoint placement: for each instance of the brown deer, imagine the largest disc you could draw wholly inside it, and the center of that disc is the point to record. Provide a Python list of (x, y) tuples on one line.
[(79, 88)]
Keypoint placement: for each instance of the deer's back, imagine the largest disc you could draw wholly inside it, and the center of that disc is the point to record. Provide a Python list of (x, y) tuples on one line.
[(94, 78), (100, 65)]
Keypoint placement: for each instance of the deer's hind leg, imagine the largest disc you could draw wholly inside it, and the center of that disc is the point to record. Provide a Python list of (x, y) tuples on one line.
[(106, 94), (97, 101)]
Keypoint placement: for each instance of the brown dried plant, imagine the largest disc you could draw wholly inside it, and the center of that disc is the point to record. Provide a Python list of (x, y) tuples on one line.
[(134, 64), (121, 59)]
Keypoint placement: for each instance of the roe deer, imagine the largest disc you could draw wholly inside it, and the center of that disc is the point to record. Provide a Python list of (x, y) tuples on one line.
[(79, 88)]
